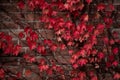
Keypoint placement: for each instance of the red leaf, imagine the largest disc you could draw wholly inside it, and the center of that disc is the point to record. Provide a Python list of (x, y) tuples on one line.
[(50, 71), (26, 56), (32, 59), (28, 72), (31, 5), (106, 40), (32, 45), (53, 47), (2, 34), (8, 50), (62, 46), (111, 58), (101, 55), (82, 62), (70, 51), (111, 6), (81, 27), (18, 75), (42, 61), (90, 28), (8, 38), (82, 75), (115, 34), (21, 35), (69, 24), (34, 36), (76, 34), (47, 42), (84, 17), (43, 67), (115, 63), (117, 76), (2, 74), (21, 5), (75, 66), (108, 64), (100, 27), (100, 6), (88, 1), (28, 30), (94, 78), (115, 50), (41, 50), (16, 50), (111, 41), (59, 69)]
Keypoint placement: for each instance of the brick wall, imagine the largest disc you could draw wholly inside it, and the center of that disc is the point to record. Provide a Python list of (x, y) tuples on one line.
[(13, 21)]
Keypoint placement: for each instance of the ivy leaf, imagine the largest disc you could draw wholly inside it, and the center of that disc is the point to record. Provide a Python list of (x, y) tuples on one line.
[(115, 50), (8, 38), (84, 17), (18, 75), (94, 78), (2, 34), (117, 76), (111, 6), (115, 63), (111, 57), (16, 50), (21, 5), (75, 66), (100, 6), (82, 62), (2, 74), (31, 5), (101, 55), (62, 46), (28, 30), (53, 47), (88, 1), (21, 35), (41, 49), (33, 36), (47, 42), (43, 67), (28, 72), (105, 40), (32, 59), (82, 75), (26, 56), (32, 45)]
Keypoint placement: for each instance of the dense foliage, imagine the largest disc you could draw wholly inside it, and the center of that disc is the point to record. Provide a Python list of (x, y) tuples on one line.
[(78, 32)]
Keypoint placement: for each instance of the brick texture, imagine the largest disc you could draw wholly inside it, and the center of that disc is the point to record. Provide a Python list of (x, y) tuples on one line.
[(13, 21)]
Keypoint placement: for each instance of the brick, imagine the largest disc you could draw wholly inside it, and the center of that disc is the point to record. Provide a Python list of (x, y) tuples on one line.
[(29, 17)]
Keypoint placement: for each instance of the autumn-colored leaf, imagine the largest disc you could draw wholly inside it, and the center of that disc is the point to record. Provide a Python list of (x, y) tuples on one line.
[(32, 45), (53, 47), (27, 72), (101, 6), (41, 49), (21, 35), (82, 62), (32, 59), (21, 5), (84, 17), (88, 1), (115, 63), (16, 50), (115, 50), (101, 55), (2, 74), (117, 76)]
